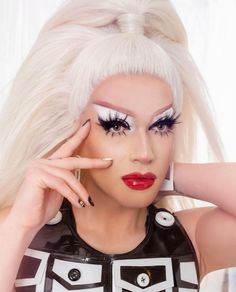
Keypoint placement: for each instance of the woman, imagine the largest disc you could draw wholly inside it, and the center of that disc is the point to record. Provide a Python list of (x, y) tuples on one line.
[(106, 101)]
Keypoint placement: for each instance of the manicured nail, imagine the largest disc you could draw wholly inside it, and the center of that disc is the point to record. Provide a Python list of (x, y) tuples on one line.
[(86, 122), (107, 159), (91, 201), (82, 204)]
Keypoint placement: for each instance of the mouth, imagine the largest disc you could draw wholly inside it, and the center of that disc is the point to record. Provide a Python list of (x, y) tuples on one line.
[(138, 181)]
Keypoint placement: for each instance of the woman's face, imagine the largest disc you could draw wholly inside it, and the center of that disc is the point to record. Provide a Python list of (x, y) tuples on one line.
[(132, 121)]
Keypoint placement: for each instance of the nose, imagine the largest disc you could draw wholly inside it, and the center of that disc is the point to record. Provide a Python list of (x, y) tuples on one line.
[(142, 150)]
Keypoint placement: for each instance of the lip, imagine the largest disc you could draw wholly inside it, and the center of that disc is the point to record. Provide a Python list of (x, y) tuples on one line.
[(138, 181)]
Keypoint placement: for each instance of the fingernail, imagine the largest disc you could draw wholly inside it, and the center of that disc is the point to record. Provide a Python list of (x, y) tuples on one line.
[(86, 122), (82, 204), (107, 159), (91, 201)]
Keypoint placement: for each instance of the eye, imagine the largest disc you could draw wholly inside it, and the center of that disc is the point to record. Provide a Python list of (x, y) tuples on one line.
[(161, 127), (165, 125), (114, 125), (117, 126)]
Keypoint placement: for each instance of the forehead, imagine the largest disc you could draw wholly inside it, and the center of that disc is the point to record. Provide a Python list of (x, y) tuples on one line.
[(142, 94)]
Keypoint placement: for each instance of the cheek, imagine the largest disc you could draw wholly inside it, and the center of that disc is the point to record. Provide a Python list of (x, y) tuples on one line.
[(169, 147), (89, 148), (163, 146), (100, 145)]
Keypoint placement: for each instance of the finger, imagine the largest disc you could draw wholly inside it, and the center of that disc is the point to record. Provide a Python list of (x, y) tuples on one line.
[(72, 163), (47, 180), (67, 149), (70, 180)]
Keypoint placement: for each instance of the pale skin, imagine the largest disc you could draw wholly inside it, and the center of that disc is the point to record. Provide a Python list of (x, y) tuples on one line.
[(48, 181)]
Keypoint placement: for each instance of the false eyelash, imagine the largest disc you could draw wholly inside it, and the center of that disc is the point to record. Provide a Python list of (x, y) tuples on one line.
[(111, 122), (169, 121)]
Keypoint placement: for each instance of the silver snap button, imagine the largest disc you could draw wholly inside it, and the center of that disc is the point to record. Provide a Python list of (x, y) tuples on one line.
[(165, 218), (74, 275), (143, 280)]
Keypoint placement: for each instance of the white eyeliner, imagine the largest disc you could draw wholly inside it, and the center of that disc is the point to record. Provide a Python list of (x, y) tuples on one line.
[(105, 113), (168, 113)]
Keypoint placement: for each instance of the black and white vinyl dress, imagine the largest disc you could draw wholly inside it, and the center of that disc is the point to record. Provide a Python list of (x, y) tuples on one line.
[(58, 260)]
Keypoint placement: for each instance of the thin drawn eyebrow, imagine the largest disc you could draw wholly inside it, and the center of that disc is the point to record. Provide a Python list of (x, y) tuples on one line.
[(114, 107), (128, 112)]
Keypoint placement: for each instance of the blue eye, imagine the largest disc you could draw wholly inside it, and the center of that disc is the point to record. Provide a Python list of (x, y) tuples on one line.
[(164, 125), (114, 125)]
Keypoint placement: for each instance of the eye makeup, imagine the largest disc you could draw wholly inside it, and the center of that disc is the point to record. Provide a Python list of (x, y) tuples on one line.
[(113, 121), (118, 123), (168, 112), (164, 123)]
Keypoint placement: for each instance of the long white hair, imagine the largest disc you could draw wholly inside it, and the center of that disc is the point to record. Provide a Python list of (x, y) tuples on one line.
[(85, 42)]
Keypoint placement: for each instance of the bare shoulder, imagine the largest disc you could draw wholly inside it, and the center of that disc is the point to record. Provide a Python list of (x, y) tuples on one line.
[(189, 219), (211, 230)]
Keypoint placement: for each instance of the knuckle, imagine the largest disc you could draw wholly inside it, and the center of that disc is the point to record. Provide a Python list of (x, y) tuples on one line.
[(70, 195), (67, 175), (74, 162), (60, 183)]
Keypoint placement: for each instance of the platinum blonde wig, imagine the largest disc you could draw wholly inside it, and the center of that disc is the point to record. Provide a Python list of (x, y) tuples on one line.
[(85, 42)]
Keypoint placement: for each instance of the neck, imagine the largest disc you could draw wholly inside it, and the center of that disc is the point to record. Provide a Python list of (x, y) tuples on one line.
[(109, 227)]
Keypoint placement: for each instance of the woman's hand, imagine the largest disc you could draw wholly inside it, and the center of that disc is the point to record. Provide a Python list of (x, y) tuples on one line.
[(48, 181)]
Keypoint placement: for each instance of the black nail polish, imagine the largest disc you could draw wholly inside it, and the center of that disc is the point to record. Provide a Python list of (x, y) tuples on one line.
[(91, 201), (86, 122)]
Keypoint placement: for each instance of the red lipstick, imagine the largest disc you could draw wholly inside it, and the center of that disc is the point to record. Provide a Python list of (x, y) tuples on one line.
[(138, 181)]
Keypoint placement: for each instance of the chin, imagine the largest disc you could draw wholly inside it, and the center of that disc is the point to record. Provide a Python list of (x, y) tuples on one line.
[(136, 199), (137, 204)]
